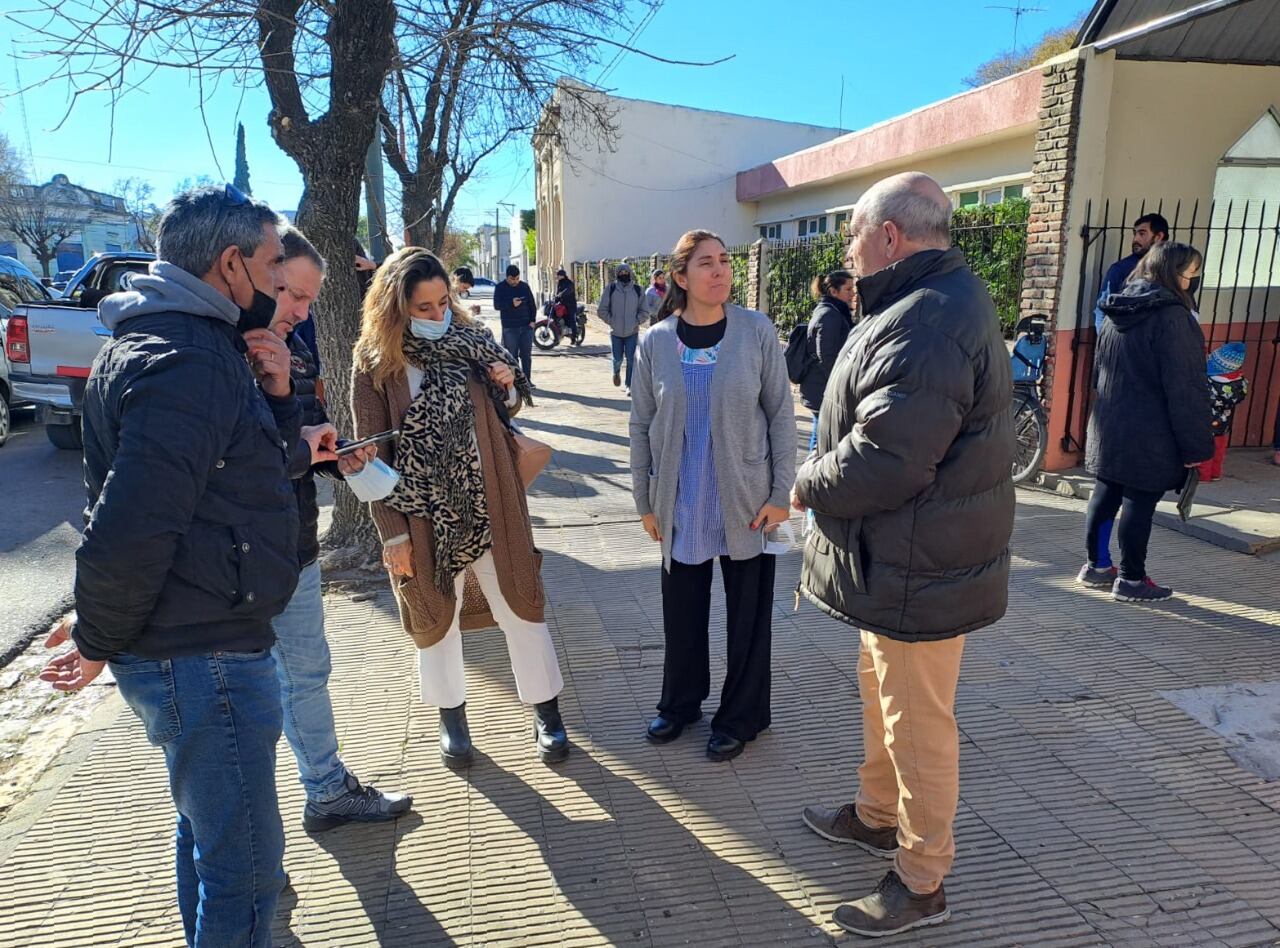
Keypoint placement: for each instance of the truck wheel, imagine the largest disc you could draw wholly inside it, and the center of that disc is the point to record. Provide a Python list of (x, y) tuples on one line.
[(6, 419), (65, 437)]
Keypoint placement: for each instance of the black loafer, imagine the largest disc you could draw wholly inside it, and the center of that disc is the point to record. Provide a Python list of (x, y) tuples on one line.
[(722, 747), (665, 730)]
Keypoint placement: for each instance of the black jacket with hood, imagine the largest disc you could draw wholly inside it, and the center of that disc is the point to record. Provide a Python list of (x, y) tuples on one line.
[(191, 543), (911, 486), (1152, 414), (307, 386), (828, 329)]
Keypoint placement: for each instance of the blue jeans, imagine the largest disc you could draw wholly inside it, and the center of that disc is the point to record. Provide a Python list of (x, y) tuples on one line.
[(518, 340), (624, 345), (302, 665), (813, 436), (217, 718)]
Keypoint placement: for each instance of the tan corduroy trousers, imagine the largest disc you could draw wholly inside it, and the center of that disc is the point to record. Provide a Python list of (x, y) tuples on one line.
[(910, 777)]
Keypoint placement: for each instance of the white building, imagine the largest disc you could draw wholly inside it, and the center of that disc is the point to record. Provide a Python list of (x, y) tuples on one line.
[(102, 224), (494, 253), (670, 169)]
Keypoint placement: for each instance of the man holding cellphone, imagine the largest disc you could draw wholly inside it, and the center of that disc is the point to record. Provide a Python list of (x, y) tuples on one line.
[(514, 302), (190, 549), (334, 795)]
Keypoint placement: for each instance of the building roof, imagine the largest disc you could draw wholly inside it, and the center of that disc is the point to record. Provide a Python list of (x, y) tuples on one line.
[(1221, 31), (991, 112)]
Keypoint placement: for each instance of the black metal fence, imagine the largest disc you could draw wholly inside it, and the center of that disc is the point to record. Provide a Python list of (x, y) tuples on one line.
[(1238, 298)]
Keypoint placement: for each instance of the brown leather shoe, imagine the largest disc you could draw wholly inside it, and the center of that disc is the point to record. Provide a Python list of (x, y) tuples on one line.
[(843, 826), (892, 908)]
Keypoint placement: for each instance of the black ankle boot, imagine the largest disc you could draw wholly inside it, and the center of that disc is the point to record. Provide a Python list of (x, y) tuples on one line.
[(548, 730), (455, 738)]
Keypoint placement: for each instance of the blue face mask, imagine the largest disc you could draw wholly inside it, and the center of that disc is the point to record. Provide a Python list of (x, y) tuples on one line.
[(430, 329)]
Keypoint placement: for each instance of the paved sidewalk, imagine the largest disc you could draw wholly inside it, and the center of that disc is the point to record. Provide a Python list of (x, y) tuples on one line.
[(1093, 811)]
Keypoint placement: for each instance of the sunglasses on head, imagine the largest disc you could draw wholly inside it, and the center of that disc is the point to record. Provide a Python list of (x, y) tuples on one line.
[(233, 197)]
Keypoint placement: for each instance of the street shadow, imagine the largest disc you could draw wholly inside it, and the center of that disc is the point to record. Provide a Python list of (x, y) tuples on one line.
[(282, 933), (366, 856), (643, 864), (583, 433), (589, 400)]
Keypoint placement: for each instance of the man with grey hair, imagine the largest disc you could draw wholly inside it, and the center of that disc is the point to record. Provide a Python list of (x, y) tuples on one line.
[(913, 501), (191, 546)]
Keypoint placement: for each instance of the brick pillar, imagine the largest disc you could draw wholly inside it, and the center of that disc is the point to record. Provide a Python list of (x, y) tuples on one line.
[(1052, 176), (758, 276)]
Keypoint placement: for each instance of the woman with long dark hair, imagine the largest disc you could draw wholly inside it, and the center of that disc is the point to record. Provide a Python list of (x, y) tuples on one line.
[(713, 453), (424, 367), (829, 327), (1152, 420)]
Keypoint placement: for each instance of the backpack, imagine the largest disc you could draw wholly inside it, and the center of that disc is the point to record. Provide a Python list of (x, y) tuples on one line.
[(799, 359)]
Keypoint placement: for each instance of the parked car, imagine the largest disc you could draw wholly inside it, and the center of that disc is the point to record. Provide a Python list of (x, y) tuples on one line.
[(18, 285), (50, 344), (482, 289)]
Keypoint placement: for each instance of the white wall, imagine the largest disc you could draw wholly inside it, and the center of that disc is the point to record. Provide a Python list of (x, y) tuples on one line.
[(673, 169)]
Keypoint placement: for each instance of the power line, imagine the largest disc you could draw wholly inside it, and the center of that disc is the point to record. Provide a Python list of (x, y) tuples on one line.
[(635, 35)]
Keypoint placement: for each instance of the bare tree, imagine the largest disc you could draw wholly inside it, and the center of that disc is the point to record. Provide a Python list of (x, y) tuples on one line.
[(11, 165), (472, 75), (143, 212), (35, 215)]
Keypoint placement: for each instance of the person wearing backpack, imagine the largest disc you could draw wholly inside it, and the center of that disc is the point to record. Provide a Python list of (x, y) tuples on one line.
[(827, 330), (622, 307)]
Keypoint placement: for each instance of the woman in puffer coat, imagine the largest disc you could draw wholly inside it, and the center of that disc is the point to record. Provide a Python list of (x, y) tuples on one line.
[(1151, 421)]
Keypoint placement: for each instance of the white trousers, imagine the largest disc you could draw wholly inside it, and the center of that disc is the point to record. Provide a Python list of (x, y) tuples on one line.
[(441, 676)]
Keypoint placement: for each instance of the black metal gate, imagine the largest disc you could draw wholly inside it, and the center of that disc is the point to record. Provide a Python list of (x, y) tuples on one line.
[(1238, 299)]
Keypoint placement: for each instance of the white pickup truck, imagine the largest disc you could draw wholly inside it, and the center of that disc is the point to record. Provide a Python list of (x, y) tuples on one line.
[(50, 345)]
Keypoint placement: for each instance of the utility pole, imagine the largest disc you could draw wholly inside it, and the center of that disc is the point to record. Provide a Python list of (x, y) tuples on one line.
[(375, 202), (497, 239)]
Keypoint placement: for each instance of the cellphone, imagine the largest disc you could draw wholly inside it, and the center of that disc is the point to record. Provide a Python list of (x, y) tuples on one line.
[(350, 446)]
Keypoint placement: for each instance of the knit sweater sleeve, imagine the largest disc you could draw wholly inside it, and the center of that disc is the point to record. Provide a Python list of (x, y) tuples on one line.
[(372, 414)]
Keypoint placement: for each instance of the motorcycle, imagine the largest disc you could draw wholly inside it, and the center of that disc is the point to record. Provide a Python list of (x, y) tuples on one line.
[(552, 326)]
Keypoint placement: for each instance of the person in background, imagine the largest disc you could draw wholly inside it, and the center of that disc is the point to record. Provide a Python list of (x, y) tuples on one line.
[(190, 550), (514, 302), (567, 296), (622, 308), (463, 282), (1148, 230), (913, 501), (365, 267), (654, 294), (1151, 419), (425, 368), (1227, 388), (334, 795), (713, 453), (829, 327)]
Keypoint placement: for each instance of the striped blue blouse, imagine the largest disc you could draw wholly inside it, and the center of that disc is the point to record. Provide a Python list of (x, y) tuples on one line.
[(699, 523)]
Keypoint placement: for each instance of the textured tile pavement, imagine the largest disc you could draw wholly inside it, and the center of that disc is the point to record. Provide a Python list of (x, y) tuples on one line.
[(1093, 812)]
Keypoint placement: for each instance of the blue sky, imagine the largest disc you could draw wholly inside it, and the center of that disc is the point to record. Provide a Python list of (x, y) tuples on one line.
[(789, 58)]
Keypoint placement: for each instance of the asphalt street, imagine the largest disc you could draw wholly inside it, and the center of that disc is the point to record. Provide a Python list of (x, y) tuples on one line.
[(41, 513)]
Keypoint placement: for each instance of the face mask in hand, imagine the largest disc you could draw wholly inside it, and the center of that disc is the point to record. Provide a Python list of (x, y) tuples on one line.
[(260, 312), (374, 482), (431, 329)]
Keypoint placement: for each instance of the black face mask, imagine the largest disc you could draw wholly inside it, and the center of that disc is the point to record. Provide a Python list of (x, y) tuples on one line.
[(1194, 288), (624, 278), (260, 312)]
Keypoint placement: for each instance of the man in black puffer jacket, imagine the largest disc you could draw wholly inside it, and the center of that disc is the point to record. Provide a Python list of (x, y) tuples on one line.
[(191, 547), (334, 795), (913, 506)]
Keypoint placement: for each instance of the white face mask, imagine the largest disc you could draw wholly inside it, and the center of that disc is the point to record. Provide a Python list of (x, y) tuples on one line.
[(431, 329), (374, 481)]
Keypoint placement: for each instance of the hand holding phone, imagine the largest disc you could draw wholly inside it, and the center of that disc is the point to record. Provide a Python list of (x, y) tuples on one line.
[(347, 447)]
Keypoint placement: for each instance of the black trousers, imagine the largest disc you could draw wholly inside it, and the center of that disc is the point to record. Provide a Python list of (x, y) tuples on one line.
[(686, 671), (1134, 530)]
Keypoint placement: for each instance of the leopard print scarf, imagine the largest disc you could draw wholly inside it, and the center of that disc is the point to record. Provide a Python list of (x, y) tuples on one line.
[(438, 456)]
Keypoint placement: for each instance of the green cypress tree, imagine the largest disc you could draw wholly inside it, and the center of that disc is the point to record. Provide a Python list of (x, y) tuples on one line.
[(242, 163)]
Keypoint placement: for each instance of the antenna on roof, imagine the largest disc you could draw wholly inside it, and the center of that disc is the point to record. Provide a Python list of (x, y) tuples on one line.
[(1018, 11)]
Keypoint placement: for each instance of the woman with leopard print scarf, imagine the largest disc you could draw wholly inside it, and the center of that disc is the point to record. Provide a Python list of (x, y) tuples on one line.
[(455, 531)]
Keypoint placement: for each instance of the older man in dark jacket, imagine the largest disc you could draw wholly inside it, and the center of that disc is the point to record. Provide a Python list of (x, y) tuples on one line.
[(191, 547), (913, 508)]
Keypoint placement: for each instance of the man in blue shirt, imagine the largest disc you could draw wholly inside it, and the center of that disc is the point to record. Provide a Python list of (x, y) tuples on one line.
[(514, 302), (1148, 230)]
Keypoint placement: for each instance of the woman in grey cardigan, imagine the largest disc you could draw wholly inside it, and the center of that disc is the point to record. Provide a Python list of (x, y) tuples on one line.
[(713, 449)]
